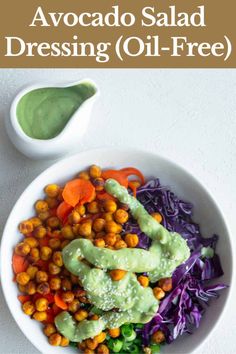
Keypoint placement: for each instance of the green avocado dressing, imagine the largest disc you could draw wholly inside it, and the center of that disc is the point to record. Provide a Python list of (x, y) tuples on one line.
[(135, 303), (43, 113)]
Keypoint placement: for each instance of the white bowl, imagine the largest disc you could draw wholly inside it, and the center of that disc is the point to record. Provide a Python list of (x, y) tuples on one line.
[(65, 141), (206, 212)]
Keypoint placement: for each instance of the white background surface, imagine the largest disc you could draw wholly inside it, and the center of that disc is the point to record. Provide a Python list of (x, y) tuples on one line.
[(186, 115)]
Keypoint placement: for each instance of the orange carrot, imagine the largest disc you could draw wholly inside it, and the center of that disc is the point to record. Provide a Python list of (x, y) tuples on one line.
[(131, 171), (78, 191), (23, 298), (59, 302), (63, 210), (133, 187), (117, 175), (104, 196), (19, 264)]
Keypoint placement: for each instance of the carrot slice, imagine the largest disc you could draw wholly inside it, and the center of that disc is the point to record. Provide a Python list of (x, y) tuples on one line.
[(63, 210), (117, 175), (131, 171), (104, 196), (23, 298), (59, 302), (78, 191), (133, 187), (19, 264)]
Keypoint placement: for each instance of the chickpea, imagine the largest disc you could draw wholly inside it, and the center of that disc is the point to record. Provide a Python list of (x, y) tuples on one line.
[(40, 316), (68, 296), (111, 226), (43, 288), (94, 318), (79, 292), (110, 239), (40, 232), (32, 270), (53, 222), (102, 349), (31, 241), (165, 284), (57, 258), (143, 280), (84, 175), (28, 308), (74, 306), (52, 190), (82, 346), (67, 232), (44, 215), (121, 216), (132, 240), (85, 229), (35, 221), (45, 253), (95, 171), (100, 337), (157, 217), (41, 206), (81, 315), (88, 351), (147, 350), (54, 243), (22, 288), (93, 207), (55, 339), (109, 206), (66, 284), (114, 332), (34, 254), (41, 276), (107, 216), (22, 278), (55, 283), (81, 210), (26, 227), (31, 288), (98, 224), (98, 184), (64, 342), (22, 249), (51, 202), (158, 293), (53, 268), (41, 304), (99, 242), (120, 244), (49, 329), (64, 244), (117, 274), (91, 343), (158, 337), (74, 217)]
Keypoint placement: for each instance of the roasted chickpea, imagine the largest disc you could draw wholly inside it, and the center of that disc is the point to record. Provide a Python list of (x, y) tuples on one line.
[(44, 215), (35, 221), (117, 274), (74, 306), (41, 304), (95, 171), (26, 227), (121, 216), (52, 190), (41, 206), (88, 351), (64, 342), (22, 278), (49, 329), (66, 284), (22, 249), (158, 293), (85, 229), (53, 222), (98, 224), (100, 234), (143, 280), (132, 240), (32, 270), (158, 337), (68, 296), (31, 287), (53, 268), (74, 217), (111, 226), (55, 283), (22, 288), (99, 242), (114, 332), (54, 243), (67, 232), (84, 175), (100, 337), (43, 288), (120, 244), (45, 253), (165, 284), (98, 184), (57, 258), (81, 210), (102, 349), (41, 276), (93, 207), (55, 339), (110, 239), (147, 350), (34, 254), (31, 241), (94, 318), (157, 217), (40, 316), (107, 216), (40, 232), (81, 315), (109, 206), (64, 244), (28, 308), (52, 202)]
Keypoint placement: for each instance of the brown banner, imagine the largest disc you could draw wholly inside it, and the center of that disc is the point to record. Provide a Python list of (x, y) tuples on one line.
[(116, 34)]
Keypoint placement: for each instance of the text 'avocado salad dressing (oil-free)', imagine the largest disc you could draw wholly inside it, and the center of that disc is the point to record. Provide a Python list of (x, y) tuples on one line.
[(43, 113)]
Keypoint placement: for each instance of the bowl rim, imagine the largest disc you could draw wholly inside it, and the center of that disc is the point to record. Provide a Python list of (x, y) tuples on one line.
[(123, 150)]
